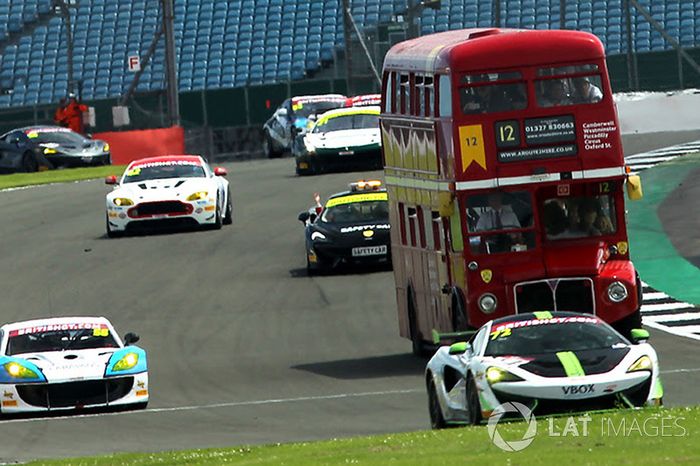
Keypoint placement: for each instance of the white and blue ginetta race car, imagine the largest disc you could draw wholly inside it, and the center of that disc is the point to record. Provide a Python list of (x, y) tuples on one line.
[(69, 363), (550, 362)]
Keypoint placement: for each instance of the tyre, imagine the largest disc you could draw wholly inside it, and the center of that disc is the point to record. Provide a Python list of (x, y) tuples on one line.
[(111, 233), (228, 217), (417, 345), (29, 163), (218, 221), (627, 324), (472, 403), (269, 147), (318, 268), (437, 421), (459, 319)]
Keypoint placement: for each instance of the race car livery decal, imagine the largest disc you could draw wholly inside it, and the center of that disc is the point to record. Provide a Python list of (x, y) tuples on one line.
[(346, 112), (166, 163), (34, 133), (58, 327), (572, 366), (552, 321), (357, 198), (384, 226)]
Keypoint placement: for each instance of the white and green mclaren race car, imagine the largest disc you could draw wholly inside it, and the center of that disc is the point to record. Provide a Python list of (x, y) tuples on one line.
[(551, 362), (344, 138)]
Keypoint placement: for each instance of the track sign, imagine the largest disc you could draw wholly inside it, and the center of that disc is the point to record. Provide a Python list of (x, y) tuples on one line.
[(134, 63)]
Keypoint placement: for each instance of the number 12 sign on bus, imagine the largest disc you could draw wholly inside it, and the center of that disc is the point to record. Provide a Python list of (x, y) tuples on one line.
[(506, 178)]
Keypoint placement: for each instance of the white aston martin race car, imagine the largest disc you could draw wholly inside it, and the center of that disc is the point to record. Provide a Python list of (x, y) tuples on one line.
[(69, 363), (170, 191), (550, 362)]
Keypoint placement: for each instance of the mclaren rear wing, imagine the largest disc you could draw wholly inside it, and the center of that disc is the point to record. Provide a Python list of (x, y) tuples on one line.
[(451, 337)]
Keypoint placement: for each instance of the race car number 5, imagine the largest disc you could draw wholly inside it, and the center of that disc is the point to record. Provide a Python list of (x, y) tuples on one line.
[(500, 333)]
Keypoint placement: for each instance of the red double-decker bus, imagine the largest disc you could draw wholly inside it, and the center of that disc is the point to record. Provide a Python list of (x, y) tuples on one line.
[(505, 173)]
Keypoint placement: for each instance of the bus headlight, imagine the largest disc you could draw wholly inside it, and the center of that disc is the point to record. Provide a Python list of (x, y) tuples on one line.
[(617, 292), (488, 303)]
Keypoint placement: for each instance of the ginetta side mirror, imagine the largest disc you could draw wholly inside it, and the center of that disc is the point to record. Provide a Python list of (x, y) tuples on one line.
[(131, 338)]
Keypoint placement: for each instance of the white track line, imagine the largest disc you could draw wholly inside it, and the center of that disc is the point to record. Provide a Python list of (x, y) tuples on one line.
[(661, 318), (226, 405), (680, 371), (665, 307), (686, 332)]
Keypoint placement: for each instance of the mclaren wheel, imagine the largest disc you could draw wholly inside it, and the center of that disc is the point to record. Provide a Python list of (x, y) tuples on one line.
[(437, 421), (472, 403), (29, 163)]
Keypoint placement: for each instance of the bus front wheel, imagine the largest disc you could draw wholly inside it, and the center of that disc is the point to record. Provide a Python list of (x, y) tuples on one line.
[(417, 344), (459, 318)]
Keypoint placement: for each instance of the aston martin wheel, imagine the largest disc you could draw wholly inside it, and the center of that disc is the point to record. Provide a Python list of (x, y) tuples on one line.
[(437, 421), (228, 217), (218, 221), (111, 233), (473, 404)]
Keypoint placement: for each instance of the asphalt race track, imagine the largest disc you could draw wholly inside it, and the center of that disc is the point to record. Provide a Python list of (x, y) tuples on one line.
[(243, 346)]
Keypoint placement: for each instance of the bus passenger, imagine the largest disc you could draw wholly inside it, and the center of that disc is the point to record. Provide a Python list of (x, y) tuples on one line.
[(592, 222), (497, 217), (476, 99), (586, 92), (554, 94)]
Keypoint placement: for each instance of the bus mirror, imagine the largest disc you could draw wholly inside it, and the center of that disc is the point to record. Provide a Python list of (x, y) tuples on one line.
[(446, 205), (634, 187)]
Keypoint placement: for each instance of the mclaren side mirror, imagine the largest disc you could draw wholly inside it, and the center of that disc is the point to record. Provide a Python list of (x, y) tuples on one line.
[(460, 347), (639, 335), (220, 171), (111, 179), (131, 338), (304, 217)]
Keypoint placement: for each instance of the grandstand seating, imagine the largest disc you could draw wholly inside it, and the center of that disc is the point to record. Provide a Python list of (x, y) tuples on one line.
[(231, 43)]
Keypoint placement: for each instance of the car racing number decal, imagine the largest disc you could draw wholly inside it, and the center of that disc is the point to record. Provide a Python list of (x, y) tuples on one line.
[(100, 332), (501, 332)]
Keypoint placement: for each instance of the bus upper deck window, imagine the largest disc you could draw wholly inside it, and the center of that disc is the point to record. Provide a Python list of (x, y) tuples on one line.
[(445, 96)]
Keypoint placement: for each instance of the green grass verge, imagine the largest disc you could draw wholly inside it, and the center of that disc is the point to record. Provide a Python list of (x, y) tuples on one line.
[(643, 437), (16, 180)]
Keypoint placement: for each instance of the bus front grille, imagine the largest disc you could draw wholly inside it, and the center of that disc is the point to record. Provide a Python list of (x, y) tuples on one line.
[(559, 294)]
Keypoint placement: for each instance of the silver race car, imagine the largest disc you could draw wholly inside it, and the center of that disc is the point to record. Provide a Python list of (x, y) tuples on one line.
[(550, 362)]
